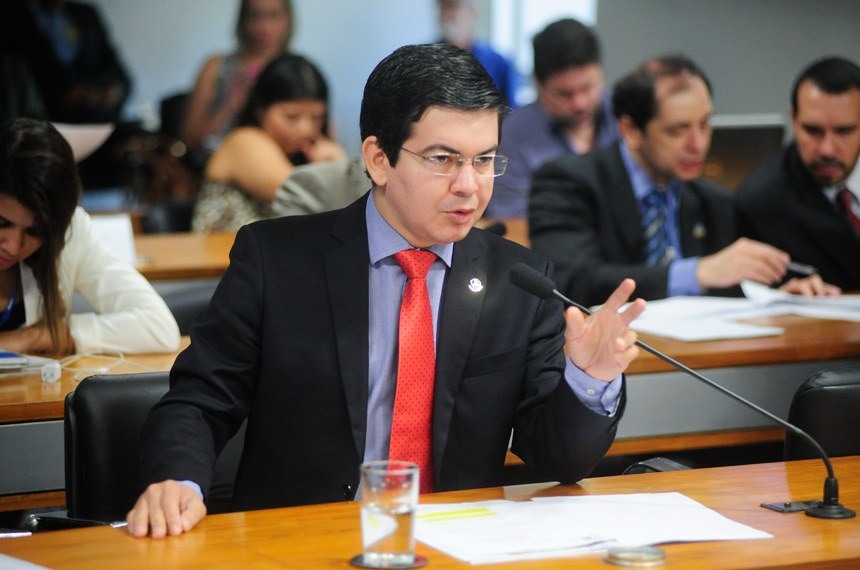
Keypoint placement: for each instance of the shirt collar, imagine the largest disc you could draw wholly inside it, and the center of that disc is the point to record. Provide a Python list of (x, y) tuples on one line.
[(383, 241), (639, 179), (852, 183)]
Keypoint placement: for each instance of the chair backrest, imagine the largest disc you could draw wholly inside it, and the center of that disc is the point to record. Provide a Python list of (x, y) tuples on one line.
[(167, 216), (104, 417), (172, 114), (187, 301), (827, 407)]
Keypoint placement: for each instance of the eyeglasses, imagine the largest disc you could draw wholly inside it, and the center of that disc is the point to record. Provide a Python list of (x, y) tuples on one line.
[(449, 164)]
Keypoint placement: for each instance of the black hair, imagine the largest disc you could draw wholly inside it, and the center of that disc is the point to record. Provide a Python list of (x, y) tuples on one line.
[(38, 169), (564, 44), (415, 77), (288, 77), (833, 75), (634, 94)]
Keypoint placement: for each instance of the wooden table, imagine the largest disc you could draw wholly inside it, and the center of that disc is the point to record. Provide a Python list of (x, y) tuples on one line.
[(183, 255), (327, 536), (767, 370), (31, 426), (671, 411), (177, 256)]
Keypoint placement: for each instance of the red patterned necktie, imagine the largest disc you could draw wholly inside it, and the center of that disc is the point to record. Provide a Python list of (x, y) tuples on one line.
[(846, 198), (411, 424)]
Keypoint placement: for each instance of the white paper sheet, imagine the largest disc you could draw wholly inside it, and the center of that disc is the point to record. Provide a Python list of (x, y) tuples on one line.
[(701, 318), (702, 329), (500, 531), (117, 233)]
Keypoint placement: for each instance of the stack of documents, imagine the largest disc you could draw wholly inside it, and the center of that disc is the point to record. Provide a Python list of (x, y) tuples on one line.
[(502, 531), (711, 318)]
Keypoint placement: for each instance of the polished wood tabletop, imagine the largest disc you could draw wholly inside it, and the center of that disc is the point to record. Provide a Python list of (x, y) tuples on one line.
[(327, 536), (183, 255), (804, 339), (24, 397)]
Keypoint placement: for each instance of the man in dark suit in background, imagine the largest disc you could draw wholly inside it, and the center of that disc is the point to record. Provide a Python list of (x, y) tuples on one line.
[(639, 209), (79, 77), (68, 51), (301, 336), (805, 200), (571, 115)]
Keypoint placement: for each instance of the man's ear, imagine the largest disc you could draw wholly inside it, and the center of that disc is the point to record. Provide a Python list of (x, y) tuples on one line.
[(375, 161), (630, 132)]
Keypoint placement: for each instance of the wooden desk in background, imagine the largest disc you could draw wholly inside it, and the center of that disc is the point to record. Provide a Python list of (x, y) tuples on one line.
[(31, 427), (195, 256), (669, 411), (327, 536), (183, 255)]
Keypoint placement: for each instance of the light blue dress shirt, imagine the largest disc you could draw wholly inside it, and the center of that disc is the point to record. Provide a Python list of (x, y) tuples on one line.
[(682, 271), (387, 282)]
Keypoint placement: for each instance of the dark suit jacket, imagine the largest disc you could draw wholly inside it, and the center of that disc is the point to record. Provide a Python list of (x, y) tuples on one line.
[(583, 217), (96, 61), (285, 342), (781, 204)]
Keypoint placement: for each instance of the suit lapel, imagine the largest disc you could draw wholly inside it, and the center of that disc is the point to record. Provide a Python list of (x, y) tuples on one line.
[(828, 227), (347, 273), (621, 202), (692, 227), (458, 321)]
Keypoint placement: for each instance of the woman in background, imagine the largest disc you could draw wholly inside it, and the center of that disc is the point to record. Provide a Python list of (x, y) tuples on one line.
[(283, 125), (263, 30), (48, 252)]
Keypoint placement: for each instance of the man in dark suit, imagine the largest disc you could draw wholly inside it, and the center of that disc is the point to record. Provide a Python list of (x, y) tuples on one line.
[(591, 215), (301, 335), (68, 50), (803, 200)]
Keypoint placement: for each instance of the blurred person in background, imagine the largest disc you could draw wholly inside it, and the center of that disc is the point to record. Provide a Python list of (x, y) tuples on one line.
[(68, 51), (457, 26), (283, 124), (572, 113), (263, 31)]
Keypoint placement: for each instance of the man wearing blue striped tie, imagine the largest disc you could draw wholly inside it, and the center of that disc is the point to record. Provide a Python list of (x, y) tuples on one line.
[(639, 208)]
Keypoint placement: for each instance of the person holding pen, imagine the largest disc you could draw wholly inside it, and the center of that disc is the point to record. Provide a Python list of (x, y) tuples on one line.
[(806, 199)]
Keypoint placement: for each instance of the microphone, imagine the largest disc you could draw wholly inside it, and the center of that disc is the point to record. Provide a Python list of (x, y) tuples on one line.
[(537, 284), (498, 228)]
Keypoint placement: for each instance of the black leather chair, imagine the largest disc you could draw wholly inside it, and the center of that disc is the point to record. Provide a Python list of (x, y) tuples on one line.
[(188, 301), (171, 111), (827, 407), (167, 216), (102, 426)]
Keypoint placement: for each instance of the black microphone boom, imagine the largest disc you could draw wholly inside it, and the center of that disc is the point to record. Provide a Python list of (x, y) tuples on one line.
[(536, 283)]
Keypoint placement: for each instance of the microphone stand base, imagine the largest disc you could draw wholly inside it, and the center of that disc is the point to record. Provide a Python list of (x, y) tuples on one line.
[(823, 511)]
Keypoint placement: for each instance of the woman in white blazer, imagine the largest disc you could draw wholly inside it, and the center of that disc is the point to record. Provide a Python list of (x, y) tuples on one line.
[(48, 252)]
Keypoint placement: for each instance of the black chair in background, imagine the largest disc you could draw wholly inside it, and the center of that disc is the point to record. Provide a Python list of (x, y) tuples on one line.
[(167, 216), (188, 301), (103, 421), (171, 110), (827, 407)]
